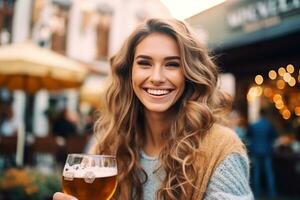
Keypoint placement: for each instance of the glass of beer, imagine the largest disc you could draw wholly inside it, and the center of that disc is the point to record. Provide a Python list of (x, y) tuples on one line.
[(89, 177)]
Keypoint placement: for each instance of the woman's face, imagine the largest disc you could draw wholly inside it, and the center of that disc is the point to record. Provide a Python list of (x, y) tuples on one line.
[(157, 77)]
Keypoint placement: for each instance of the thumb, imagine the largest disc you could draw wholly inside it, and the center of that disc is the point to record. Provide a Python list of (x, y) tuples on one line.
[(62, 196)]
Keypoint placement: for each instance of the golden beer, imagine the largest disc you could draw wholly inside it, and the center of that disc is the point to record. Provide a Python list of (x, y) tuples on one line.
[(101, 188), (90, 177)]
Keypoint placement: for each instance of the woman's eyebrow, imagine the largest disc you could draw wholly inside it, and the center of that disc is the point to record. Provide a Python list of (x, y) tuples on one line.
[(150, 58), (143, 56), (172, 58)]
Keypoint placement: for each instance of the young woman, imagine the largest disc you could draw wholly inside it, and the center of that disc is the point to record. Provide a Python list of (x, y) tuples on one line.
[(162, 120)]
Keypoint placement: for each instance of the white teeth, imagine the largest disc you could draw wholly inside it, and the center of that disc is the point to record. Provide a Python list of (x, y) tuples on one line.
[(157, 92)]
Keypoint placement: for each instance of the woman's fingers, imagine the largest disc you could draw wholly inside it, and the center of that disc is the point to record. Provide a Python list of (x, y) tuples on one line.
[(62, 196)]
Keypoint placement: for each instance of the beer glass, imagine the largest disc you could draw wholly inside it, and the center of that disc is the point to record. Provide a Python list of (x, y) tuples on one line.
[(90, 177)]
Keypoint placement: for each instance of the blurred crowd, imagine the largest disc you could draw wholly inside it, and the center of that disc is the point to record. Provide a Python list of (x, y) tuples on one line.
[(274, 156)]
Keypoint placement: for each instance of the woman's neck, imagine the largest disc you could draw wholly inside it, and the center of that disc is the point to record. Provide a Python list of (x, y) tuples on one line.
[(155, 124)]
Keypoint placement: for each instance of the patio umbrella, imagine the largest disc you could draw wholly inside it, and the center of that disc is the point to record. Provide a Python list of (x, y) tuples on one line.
[(30, 68), (92, 91)]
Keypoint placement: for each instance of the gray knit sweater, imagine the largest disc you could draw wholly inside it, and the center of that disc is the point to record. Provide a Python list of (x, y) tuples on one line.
[(230, 181)]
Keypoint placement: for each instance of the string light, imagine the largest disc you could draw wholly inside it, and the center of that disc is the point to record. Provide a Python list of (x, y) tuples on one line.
[(284, 76), (290, 68), (254, 92), (297, 111), (277, 97), (268, 92), (292, 82), (279, 105), (250, 94), (258, 91), (272, 75), (287, 77), (281, 71), (286, 114), (259, 79), (280, 84)]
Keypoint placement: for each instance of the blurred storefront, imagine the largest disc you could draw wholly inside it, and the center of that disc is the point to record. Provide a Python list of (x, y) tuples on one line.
[(253, 38), (258, 42)]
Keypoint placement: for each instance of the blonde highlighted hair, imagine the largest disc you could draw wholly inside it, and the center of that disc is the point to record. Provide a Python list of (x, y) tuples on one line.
[(121, 124)]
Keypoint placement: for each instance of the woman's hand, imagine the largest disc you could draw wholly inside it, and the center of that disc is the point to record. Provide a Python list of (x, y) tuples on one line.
[(62, 196)]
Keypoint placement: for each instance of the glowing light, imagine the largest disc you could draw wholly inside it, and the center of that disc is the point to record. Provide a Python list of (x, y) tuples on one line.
[(287, 77), (281, 71), (292, 82), (254, 92), (259, 91), (299, 78), (279, 105), (259, 79), (277, 97), (249, 98), (272, 75), (250, 94), (283, 109), (286, 114), (268, 92), (290, 68), (280, 84), (297, 111)]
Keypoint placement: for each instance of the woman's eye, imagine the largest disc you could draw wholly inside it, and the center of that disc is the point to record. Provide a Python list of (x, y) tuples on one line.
[(143, 62), (173, 64)]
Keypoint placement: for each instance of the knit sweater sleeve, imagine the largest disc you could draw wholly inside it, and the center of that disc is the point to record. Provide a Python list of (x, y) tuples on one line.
[(230, 181)]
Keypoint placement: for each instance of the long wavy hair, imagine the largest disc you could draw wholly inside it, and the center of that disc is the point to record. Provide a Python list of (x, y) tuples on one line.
[(121, 126)]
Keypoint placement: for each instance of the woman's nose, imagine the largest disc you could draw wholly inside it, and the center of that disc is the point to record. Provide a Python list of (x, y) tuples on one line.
[(157, 75)]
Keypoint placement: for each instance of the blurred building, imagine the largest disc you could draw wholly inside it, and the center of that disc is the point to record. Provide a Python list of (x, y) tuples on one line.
[(86, 30), (258, 42)]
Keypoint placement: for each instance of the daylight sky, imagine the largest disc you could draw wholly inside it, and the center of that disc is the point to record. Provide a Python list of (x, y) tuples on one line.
[(182, 9)]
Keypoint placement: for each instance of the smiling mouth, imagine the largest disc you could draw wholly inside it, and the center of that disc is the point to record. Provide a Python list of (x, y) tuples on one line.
[(158, 92)]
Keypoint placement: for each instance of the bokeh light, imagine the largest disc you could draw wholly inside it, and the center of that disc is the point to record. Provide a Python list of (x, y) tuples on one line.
[(292, 82), (268, 92), (272, 74), (287, 77), (286, 114), (280, 84), (290, 69), (259, 79), (281, 71), (279, 105), (254, 92), (297, 111)]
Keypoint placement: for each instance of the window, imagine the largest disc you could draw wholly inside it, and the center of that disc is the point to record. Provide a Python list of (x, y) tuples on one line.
[(59, 24), (104, 13), (6, 16)]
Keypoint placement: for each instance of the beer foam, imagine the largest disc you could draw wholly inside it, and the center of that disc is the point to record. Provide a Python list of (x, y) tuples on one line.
[(80, 172)]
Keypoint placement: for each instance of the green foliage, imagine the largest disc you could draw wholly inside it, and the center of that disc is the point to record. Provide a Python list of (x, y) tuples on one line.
[(28, 184)]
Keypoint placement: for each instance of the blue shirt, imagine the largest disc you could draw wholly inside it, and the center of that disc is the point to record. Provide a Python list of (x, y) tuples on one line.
[(262, 135)]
